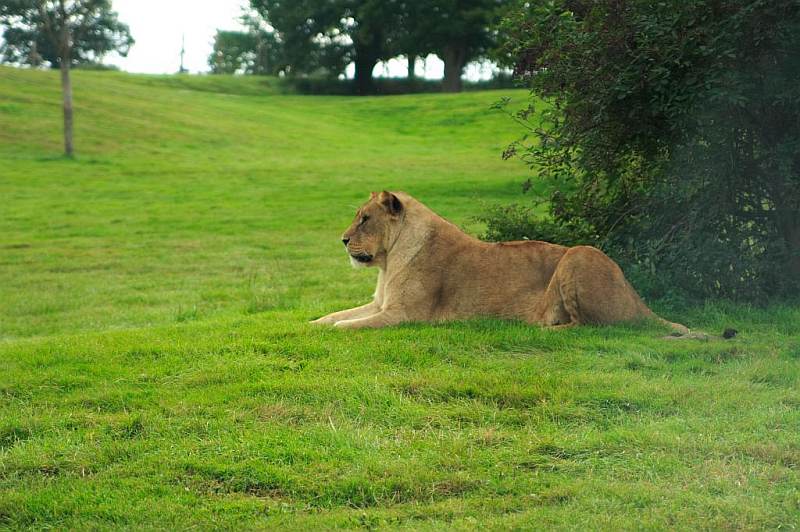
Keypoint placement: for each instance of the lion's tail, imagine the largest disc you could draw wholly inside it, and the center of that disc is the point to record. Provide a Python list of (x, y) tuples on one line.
[(677, 328), (680, 331)]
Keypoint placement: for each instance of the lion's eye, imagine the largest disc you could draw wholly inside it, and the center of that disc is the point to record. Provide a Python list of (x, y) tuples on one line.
[(364, 220)]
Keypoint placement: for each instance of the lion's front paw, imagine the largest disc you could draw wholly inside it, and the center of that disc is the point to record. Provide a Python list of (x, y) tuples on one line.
[(325, 320)]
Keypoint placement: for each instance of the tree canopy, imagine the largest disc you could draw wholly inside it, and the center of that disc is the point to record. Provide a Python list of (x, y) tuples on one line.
[(31, 27), (458, 31), (324, 36), (255, 51)]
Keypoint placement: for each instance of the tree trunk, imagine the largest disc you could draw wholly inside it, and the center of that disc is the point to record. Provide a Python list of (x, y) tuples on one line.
[(412, 66), (34, 58), (66, 89), (454, 56), (63, 41), (365, 63)]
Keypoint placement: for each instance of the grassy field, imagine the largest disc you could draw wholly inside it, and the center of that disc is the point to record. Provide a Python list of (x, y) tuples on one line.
[(157, 370)]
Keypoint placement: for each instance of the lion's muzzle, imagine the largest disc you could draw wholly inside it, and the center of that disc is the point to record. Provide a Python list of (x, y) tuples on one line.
[(362, 257)]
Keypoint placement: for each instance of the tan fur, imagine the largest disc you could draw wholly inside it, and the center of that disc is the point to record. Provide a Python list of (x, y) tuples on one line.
[(429, 270)]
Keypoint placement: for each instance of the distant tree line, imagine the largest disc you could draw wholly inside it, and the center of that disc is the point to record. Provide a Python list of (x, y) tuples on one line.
[(670, 138), (322, 37)]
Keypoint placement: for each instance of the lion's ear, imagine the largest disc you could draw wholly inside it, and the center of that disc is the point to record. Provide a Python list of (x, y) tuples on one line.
[(390, 202), (372, 195)]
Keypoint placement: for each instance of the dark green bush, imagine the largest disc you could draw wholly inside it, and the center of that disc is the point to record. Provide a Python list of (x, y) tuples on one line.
[(519, 222), (672, 135)]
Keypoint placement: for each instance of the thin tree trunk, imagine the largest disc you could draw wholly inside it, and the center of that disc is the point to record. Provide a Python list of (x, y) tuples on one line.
[(454, 56), (412, 66), (64, 42), (66, 89)]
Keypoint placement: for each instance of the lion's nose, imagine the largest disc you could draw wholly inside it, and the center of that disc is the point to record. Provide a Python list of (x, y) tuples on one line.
[(345, 241)]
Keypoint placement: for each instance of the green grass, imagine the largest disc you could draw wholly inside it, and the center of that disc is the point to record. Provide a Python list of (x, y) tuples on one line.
[(157, 370)]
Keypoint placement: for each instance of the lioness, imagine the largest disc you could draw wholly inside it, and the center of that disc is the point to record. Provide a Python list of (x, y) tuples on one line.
[(430, 270)]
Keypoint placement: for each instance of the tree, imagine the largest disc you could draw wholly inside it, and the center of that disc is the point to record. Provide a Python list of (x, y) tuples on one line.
[(63, 33), (251, 52), (671, 136), (409, 33), (458, 31), (327, 35)]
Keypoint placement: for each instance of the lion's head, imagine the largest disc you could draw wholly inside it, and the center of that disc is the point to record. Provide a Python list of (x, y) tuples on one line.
[(373, 230)]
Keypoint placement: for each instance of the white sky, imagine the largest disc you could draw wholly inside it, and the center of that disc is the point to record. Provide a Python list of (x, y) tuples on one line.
[(158, 25)]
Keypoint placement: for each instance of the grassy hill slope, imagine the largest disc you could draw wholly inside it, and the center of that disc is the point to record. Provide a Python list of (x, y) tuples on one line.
[(187, 203), (156, 368)]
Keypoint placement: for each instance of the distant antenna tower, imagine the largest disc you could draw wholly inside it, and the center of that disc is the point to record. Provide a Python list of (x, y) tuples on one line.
[(183, 52)]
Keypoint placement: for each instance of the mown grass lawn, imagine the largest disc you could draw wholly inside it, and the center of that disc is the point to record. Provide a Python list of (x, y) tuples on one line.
[(157, 370)]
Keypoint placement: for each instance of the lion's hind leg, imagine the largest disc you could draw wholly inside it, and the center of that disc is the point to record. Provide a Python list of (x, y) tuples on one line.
[(558, 307), (587, 287)]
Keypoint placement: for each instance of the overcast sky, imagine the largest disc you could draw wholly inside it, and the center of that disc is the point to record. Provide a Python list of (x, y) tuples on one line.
[(158, 25)]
